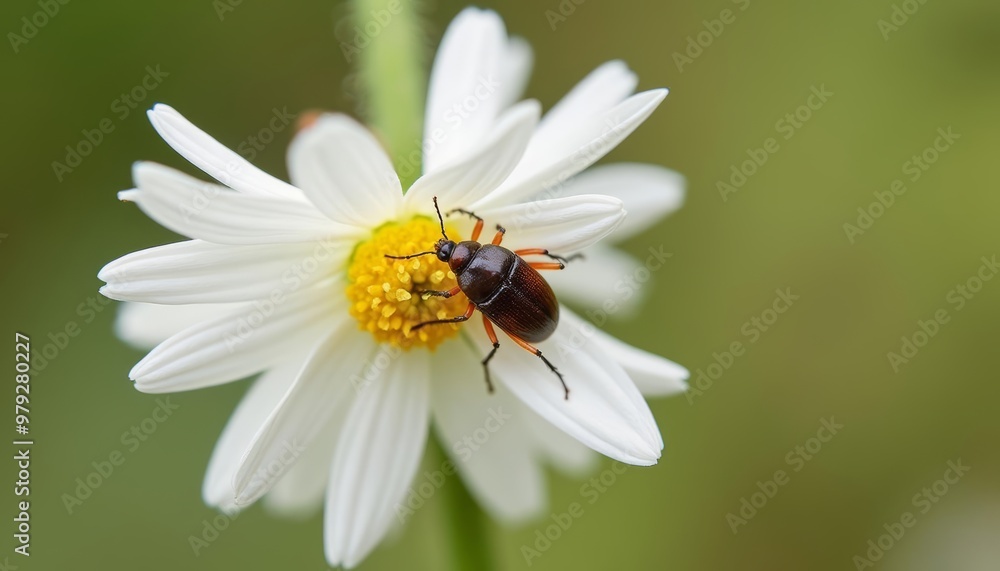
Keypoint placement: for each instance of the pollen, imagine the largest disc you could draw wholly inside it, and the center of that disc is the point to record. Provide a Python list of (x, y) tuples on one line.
[(385, 296)]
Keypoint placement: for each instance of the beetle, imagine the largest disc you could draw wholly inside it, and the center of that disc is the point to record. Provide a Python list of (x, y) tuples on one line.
[(505, 288)]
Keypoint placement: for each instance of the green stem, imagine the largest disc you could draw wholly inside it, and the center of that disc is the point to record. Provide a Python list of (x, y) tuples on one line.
[(466, 524), (394, 78)]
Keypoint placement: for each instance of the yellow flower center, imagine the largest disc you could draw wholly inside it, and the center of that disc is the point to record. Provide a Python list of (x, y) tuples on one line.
[(383, 293)]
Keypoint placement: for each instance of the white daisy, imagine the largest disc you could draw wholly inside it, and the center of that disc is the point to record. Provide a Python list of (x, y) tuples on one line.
[(291, 280)]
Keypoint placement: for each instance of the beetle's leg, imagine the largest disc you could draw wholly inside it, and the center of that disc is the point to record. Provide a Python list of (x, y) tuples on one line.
[(496, 345), (479, 222), (544, 252), (547, 265), (499, 235), (535, 351), (464, 317), (439, 293)]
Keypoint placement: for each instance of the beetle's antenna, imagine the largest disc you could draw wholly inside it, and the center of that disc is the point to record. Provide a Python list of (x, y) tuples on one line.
[(440, 218), (410, 256)]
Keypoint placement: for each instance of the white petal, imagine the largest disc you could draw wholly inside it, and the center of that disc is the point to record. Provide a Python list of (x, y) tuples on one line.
[(323, 391), (344, 171), (213, 213), (202, 272), (479, 170), (515, 71), (652, 374), (604, 276), (263, 396), (376, 459), (562, 225), (486, 436), (466, 91), (604, 88), (649, 192), (213, 157), (605, 411), (251, 338), (145, 325), (548, 163)]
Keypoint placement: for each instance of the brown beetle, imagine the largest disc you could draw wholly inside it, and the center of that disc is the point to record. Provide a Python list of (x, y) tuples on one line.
[(508, 290)]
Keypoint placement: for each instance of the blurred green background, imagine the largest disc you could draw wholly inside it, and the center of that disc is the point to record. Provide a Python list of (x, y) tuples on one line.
[(784, 228)]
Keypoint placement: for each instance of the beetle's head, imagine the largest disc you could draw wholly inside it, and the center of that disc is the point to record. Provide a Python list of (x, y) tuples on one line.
[(458, 254), (444, 249)]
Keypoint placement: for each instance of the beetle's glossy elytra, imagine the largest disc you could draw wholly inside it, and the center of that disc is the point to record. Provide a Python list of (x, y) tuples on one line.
[(511, 293)]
